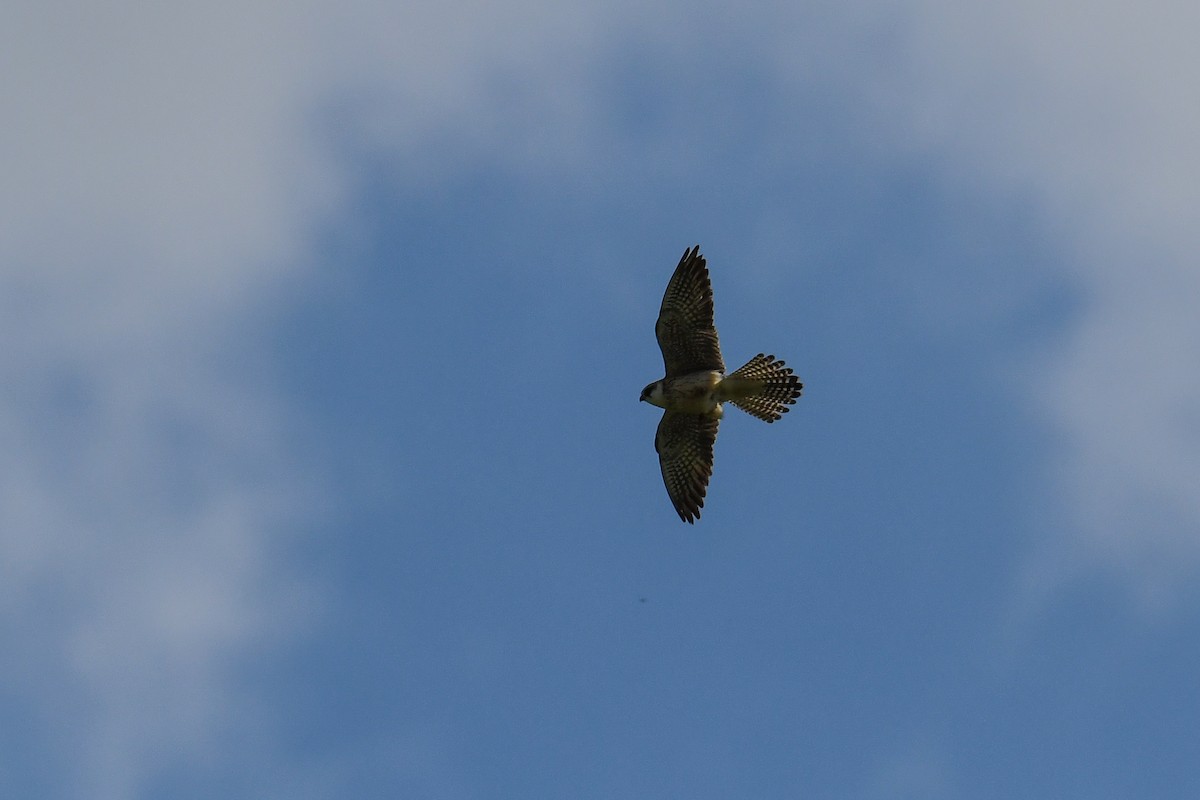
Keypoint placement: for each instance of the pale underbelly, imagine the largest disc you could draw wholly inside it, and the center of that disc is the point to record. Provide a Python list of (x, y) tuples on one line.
[(695, 396)]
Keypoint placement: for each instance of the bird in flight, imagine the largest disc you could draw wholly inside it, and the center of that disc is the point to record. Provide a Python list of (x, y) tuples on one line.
[(696, 385)]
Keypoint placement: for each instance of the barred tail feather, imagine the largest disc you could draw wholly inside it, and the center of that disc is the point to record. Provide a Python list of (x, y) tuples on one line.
[(767, 387)]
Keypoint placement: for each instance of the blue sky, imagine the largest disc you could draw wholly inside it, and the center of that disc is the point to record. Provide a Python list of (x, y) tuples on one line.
[(324, 473)]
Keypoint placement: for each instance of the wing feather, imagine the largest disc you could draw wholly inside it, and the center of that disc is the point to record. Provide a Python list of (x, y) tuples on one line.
[(685, 330), (685, 452)]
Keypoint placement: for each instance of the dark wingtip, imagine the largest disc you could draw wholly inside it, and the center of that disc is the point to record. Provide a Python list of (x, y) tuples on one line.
[(693, 254)]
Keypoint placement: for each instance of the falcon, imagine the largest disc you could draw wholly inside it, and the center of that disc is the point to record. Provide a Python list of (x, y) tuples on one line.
[(695, 386)]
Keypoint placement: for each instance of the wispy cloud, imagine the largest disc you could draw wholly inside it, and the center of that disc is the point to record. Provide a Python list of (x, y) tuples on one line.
[(169, 172), (1088, 109), (162, 192)]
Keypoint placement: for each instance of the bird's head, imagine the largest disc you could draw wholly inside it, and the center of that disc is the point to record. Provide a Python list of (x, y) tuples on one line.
[(653, 394)]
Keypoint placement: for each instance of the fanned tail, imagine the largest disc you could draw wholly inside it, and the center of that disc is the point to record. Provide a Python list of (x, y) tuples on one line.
[(764, 387)]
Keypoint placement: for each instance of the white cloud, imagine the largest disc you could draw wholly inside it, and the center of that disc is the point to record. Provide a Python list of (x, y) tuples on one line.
[(172, 163), (1087, 112), (1090, 108), (160, 188), (169, 173)]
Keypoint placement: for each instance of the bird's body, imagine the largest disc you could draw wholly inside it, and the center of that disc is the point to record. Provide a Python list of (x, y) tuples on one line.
[(694, 393), (695, 386)]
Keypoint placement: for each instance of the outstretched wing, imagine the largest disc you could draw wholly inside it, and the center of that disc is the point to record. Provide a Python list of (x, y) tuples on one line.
[(685, 330), (685, 452)]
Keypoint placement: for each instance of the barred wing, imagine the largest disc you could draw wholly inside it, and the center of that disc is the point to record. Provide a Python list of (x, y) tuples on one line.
[(685, 330), (685, 452)]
